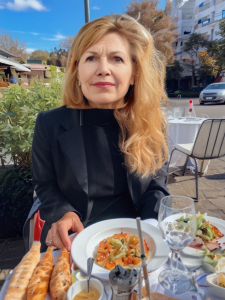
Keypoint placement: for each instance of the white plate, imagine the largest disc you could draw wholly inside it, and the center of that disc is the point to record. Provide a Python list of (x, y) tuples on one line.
[(86, 243), (194, 257)]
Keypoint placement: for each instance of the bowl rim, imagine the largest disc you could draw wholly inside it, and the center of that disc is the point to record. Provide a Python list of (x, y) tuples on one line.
[(214, 275), (79, 282)]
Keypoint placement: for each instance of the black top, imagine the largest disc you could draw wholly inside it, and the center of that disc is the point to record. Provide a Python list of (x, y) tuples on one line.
[(107, 175)]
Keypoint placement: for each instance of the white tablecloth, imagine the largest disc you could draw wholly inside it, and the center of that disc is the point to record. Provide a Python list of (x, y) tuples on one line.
[(181, 131), (202, 294)]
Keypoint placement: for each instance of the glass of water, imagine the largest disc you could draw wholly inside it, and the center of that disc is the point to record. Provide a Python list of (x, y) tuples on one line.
[(177, 112), (178, 226)]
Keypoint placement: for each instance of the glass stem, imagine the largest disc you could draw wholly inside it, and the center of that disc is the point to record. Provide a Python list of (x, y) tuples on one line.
[(174, 276)]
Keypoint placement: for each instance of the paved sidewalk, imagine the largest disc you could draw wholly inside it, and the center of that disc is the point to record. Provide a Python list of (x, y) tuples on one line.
[(11, 252), (211, 188), (211, 200)]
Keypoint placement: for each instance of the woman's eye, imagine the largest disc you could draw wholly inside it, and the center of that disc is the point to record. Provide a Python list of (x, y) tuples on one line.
[(118, 59), (90, 58)]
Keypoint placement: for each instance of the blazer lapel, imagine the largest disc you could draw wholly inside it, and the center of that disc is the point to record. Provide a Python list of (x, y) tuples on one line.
[(72, 144)]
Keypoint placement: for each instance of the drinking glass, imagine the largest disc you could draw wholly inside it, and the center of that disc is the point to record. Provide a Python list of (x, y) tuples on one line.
[(177, 112), (178, 225)]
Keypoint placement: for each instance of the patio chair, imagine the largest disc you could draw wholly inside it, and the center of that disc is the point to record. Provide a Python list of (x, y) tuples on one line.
[(209, 144), (29, 226)]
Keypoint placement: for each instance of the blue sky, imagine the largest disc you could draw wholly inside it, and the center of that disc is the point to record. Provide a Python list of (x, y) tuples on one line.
[(44, 24)]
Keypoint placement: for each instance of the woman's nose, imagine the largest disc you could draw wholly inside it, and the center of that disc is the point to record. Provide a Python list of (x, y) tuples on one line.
[(103, 68)]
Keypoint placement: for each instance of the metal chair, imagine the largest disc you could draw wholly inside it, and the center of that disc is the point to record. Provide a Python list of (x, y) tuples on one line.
[(209, 144)]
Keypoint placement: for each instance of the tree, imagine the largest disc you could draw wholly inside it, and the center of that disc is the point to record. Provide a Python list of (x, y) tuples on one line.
[(158, 23), (207, 64), (40, 54), (213, 59), (13, 46), (192, 46), (67, 43), (58, 57), (221, 32), (174, 74), (174, 71)]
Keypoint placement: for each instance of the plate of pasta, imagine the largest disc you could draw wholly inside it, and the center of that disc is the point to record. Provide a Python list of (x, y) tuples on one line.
[(115, 241)]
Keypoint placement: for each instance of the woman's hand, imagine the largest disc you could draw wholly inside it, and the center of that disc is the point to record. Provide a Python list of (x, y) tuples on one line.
[(58, 234)]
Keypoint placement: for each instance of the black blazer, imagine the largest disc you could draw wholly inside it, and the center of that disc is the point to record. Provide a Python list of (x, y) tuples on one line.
[(59, 171)]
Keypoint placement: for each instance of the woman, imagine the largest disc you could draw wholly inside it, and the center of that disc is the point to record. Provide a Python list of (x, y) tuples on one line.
[(102, 154)]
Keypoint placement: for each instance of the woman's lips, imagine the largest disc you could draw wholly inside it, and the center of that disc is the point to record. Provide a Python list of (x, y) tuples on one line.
[(103, 85)]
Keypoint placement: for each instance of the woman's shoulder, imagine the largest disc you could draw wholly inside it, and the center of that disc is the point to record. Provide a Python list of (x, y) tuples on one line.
[(57, 117), (55, 112)]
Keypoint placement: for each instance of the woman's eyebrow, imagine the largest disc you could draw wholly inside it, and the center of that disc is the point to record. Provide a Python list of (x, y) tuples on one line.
[(111, 53)]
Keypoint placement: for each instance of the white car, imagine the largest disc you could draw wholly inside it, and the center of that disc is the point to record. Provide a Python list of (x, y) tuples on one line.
[(214, 92)]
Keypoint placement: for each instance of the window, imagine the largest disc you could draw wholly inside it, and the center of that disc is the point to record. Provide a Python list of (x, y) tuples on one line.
[(176, 44), (181, 43), (223, 14)]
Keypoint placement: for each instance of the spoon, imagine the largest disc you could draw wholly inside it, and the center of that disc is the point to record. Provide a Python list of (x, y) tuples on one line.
[(90, 262)]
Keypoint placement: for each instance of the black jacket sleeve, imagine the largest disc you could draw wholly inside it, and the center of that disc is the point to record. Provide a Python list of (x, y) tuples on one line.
[(54, 205), (156, 190)]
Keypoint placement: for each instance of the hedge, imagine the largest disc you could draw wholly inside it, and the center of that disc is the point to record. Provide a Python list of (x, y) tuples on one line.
[(16, 199), (187, 94)]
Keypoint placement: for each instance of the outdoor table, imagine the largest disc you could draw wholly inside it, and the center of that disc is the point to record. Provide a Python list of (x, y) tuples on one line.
[(183, 131), (202, 294)]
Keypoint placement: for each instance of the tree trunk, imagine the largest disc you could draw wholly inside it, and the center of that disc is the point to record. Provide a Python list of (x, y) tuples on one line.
[(193, 76)]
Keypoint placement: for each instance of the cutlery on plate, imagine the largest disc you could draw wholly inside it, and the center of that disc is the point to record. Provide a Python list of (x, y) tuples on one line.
[(90, 262), (143, 258)]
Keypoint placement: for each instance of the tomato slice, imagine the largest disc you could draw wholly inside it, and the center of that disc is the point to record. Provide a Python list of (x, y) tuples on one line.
[(217, 231)]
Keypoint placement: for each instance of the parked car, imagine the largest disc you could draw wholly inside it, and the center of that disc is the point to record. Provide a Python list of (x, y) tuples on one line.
[(170, 93), (197, 88), (214, 92)]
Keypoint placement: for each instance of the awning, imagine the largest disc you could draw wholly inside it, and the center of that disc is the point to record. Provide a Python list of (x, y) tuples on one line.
[(12, 63), (7, 54)]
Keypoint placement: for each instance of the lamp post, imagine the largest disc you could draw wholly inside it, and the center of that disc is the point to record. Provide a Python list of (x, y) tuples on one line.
[(87, 11)]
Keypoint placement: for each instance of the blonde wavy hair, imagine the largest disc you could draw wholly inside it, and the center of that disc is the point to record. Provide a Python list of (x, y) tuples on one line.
[(143, 136)]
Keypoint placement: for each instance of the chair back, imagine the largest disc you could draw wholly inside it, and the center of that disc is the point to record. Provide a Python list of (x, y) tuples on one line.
[(210, 140)]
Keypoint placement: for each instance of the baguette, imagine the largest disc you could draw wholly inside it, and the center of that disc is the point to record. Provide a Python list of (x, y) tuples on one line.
[(60, 279), (22, 274), (38, 286)]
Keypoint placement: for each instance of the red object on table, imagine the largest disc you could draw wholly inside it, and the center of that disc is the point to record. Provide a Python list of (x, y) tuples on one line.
[(38, 225), (190, 105)]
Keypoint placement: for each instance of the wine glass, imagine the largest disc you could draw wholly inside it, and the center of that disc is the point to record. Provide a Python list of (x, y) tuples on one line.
[(178, 226)]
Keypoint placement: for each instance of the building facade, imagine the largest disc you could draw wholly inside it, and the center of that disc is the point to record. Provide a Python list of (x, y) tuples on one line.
[(207, 16), (194, 16), (182, 15)]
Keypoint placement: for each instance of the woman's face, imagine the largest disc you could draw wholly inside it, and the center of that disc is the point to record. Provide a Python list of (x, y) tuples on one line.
[(105, 71)]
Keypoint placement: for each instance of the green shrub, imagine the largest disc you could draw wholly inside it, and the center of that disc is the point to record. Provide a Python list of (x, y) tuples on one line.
[(187, 94), (16, 199), (18, 111), (190, 94), (53, 68)]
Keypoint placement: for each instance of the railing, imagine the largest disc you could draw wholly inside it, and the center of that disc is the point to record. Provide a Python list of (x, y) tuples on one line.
[(204, 7), (197, 26), (219, 1), (196, 10), (187, 17)]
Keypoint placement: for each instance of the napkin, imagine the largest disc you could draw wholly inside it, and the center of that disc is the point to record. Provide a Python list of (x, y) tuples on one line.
[(154, 296)]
